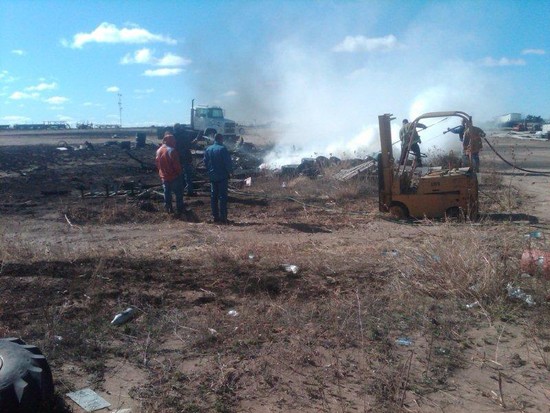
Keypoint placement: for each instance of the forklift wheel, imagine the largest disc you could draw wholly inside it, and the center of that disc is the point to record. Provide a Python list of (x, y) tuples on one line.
[(26, 384), (454, 213), (399, 211)]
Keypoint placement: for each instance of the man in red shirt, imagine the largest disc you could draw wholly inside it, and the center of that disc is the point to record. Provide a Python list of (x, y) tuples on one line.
[(169, 167)]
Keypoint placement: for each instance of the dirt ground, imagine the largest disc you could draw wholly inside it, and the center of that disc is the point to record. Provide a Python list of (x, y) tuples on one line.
[(310, 300)]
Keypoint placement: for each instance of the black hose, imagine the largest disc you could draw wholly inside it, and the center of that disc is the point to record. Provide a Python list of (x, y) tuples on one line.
[(512, 165)]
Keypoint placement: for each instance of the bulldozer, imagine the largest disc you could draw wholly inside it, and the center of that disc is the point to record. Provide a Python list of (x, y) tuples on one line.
[(409, 191)]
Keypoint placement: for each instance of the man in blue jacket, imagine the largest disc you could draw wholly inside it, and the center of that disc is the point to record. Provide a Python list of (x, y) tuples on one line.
[(218, 164)]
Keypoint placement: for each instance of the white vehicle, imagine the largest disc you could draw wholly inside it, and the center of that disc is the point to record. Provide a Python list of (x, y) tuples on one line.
[(211, 120)]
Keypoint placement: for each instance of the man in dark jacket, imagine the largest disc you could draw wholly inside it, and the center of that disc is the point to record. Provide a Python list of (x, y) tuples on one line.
[(218, 164), (184, 142)]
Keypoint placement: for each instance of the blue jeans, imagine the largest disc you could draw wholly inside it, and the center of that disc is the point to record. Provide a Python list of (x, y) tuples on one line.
[(218, 199), (475, 161), (175, 186), (188, 178)]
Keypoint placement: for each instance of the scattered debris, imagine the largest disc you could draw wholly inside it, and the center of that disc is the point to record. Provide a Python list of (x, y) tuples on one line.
[(291, 268), (472, 305), (364, 168), (404, 341), (518, 294), (534, 234), (535, 262), (233, 313), (88, 399), (124, 316)]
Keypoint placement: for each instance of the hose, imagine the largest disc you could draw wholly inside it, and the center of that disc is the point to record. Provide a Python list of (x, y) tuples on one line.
[(544, 173)]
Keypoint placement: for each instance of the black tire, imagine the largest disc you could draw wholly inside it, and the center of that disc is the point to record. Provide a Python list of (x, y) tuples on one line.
[(455, 214), (26, 384), (399, 211)]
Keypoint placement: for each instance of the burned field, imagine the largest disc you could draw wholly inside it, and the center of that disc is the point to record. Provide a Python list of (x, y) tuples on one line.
[(310, 301)]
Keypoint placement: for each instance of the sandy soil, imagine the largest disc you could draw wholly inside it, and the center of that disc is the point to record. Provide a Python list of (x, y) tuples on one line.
[(72, 258)]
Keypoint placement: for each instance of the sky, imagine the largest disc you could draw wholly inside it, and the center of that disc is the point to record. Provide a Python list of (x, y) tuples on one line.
[(324, 70)]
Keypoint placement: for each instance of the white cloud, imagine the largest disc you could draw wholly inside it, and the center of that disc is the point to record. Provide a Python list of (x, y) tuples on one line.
[(142, 56), (19, 52), (113, 89), (15, 119), (503, 61), (170, 59), (230, 93), (365, 44), (42, 86), (110, 33), (146, 91), (145, 56), (162, 72), (23, 95), (533, 51), (5, 77), (56, 100)]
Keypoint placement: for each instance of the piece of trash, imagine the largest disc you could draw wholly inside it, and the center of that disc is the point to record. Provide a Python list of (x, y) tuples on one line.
[(331, 280), (404, 341), (393, 253), (233, 313), (248, 181), (518, 294), (473, 305), (124, 317), (536, 262), (291, 268), (441, 351), (212, 331), (283, 185), (88, 399), (534, 234), (250, 256), (57, 339), (525, 275)]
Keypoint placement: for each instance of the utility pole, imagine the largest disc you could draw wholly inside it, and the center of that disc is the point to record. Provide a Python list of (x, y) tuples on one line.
[(120, 109)]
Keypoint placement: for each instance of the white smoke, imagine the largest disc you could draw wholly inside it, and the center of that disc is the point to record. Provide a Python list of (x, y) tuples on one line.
[(329, 96)]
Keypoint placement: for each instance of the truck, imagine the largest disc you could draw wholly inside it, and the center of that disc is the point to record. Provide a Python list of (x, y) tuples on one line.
[(406, 190), (208, 121)]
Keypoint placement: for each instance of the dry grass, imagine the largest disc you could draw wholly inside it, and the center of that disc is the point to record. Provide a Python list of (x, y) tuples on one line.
[(323, 339)]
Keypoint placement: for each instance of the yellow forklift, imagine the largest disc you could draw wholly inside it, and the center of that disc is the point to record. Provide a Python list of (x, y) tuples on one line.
[(406, 190)]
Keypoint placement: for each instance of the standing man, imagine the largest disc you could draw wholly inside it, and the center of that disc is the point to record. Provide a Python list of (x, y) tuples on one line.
[(472, 144), (406, 134), (184, 143), (169, 167), (218, 164)]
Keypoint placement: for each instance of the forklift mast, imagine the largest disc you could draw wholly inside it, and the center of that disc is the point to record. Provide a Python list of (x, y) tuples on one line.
[(385, 163)]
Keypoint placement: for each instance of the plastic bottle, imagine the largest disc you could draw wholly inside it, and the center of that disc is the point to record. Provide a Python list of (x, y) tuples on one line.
[(124, 316)]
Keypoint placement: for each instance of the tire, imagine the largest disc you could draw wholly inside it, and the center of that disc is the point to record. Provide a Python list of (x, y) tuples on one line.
[(454, 214), (26, 384), (399, 211)]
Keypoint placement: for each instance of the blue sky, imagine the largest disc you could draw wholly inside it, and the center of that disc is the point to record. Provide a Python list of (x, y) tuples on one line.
[(327, 67)]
